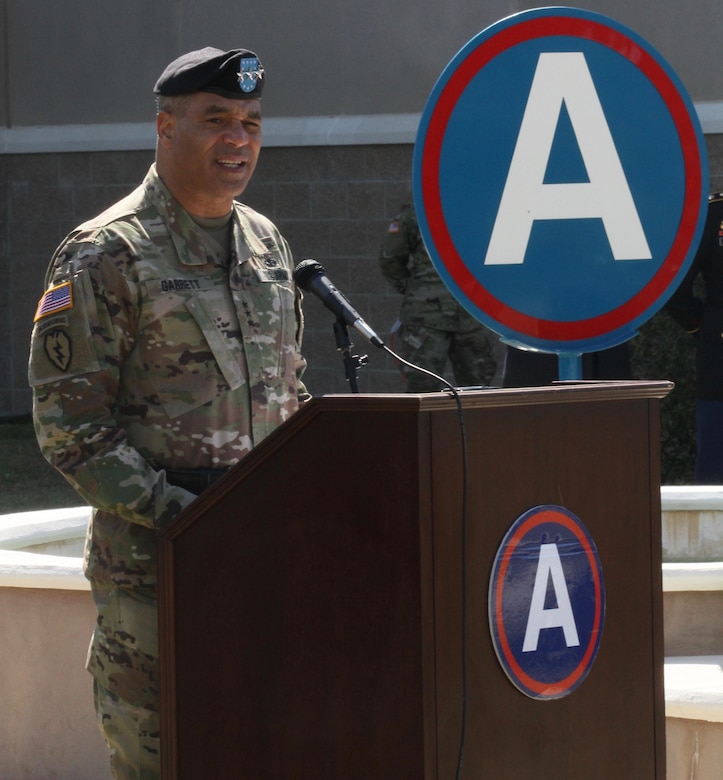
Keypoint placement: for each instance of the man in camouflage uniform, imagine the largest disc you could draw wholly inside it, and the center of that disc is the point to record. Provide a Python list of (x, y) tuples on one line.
[(166, 346), (434, 326)]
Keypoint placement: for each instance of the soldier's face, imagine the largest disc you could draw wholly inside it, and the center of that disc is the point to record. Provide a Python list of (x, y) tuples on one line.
[(207, 151)]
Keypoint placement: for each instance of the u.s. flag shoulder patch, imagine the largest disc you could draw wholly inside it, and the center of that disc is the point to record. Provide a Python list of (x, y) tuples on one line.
[(55, 299)]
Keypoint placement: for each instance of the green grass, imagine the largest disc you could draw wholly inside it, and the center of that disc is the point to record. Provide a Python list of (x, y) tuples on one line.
[(27, 480)]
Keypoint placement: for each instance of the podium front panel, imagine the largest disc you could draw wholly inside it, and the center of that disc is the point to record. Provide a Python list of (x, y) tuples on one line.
[(313, 608), (598, 460)]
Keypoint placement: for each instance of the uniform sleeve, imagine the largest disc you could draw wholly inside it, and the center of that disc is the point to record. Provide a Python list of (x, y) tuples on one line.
[(84, 327), (395, 252)]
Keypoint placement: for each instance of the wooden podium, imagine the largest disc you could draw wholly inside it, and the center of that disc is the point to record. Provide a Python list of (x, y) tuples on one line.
[(312, 610)]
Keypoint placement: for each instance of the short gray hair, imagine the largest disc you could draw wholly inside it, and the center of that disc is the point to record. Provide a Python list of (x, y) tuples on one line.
[(172, 104)]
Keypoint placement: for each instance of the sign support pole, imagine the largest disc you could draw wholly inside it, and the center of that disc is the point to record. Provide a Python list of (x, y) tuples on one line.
[(569, 366)]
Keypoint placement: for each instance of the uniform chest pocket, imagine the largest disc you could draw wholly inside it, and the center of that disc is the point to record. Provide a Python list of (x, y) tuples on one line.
[(194, 353)]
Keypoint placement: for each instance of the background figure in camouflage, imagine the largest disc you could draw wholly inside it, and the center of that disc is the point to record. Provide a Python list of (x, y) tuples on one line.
[(166, 346), (434, 327), (697, 306)]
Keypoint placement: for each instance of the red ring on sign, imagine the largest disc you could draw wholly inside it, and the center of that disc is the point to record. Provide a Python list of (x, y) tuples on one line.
[(548, 690), (555, 330)]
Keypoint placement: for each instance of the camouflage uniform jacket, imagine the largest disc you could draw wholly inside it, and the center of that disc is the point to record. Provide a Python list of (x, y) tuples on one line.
[(147, 354), (404, 262)]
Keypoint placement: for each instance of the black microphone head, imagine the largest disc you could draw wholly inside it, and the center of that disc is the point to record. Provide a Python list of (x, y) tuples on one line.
[(306, 270), (311, 277)]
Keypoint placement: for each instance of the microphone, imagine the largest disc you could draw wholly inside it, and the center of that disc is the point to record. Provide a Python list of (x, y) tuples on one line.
[(311, 277)]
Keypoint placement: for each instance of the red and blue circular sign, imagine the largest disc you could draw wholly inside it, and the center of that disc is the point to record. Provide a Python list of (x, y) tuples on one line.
[(547, 603), (560, 179)]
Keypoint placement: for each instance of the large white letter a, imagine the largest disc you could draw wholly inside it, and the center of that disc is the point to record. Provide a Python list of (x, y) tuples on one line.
[(564, 76), (549, 566)]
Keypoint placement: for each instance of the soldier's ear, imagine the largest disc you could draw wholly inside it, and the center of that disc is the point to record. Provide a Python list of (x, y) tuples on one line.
[(165, 124)]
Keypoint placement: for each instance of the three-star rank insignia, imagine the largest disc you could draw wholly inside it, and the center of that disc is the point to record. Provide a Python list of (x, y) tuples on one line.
[(250, 71)]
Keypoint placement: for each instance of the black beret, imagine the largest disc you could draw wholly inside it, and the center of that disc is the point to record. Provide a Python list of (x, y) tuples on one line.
[(234, 74)]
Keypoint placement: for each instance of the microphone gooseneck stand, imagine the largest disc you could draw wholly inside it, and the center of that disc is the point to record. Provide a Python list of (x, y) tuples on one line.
[(352, 363)]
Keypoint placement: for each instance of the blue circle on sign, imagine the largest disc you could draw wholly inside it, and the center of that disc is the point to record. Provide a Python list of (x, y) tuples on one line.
[(560, 179), (547, 603)]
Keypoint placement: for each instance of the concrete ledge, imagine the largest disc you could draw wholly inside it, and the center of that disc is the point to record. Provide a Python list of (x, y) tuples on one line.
[(278, 131), (29, 529), (23, 529), (692, 576), (692, 526), (694, 688), (339, 130), (696, 498), (32, 570)]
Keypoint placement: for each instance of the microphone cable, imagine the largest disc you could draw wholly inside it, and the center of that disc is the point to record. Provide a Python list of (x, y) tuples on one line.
[(311, 276), (448, 387)]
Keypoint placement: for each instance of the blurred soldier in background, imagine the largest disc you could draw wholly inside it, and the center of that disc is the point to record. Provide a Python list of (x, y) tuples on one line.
[(433, 326), (700, 311)]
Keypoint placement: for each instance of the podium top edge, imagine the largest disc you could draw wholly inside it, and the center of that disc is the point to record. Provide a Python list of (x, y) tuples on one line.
[(559, 392), (409, 404)]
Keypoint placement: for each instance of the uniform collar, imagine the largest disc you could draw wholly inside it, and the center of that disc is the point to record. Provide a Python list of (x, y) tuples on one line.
[(193, 245)]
